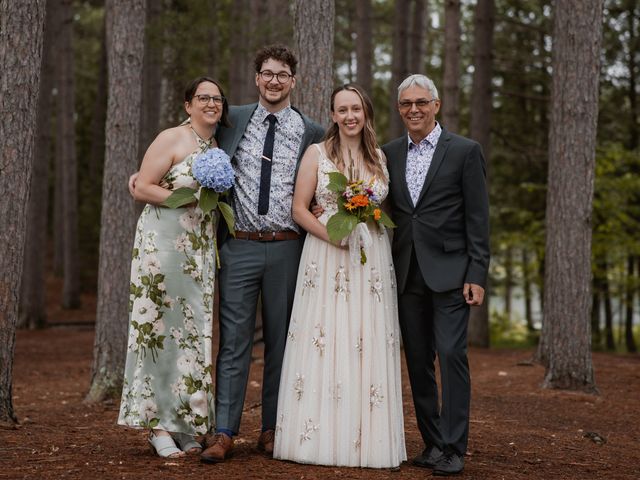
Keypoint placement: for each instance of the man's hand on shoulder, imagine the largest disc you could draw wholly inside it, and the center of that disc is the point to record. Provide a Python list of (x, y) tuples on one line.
[(473, 294)]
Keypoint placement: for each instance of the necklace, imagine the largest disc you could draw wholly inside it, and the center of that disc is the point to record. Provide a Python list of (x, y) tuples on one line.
[(204, 144)]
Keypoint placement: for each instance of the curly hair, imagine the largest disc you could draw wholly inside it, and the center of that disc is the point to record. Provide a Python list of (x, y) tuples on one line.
[(277, 52)]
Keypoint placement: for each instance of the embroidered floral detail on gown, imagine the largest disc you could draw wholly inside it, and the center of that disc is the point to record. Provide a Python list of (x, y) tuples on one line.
[(167, 382), (340, 398)]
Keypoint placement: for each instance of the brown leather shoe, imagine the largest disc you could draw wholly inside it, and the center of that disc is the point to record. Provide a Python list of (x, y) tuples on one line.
[(265, 442), (218, 448)]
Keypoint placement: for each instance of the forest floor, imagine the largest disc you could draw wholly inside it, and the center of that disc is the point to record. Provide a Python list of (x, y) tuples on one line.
[(518, 430)]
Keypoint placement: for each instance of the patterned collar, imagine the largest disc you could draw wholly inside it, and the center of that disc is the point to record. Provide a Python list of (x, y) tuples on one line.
[(431, 139), (282, 116)]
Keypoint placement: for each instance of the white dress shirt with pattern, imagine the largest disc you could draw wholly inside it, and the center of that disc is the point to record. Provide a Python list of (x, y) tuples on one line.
[(419, 158), (247, 163)]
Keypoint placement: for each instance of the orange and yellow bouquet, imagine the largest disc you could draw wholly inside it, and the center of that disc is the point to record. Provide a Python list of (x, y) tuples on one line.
[(358, 202)]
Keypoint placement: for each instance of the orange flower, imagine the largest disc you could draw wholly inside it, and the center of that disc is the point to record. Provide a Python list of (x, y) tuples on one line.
[(360, 201), (377, 214)]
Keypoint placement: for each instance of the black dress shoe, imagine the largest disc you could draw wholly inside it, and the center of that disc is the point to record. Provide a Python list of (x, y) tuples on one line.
[(450, 464), (429, 457)]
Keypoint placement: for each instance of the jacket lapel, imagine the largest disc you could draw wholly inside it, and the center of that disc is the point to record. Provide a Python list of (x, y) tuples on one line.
[(436, 161), (240, 127)]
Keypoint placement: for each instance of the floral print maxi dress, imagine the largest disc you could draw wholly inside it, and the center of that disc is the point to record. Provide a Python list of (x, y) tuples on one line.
[(340, 399), (167, 381)]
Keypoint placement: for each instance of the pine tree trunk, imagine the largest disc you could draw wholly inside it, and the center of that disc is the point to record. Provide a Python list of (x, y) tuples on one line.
[(399, 63), (596, 332), (577, 36), (364, 45), (32, 300), (313, 37), (608, 316), (629, 341), (526, 286), (67, 137), (279, 21), (125, 21), (151, 79), (20, 63), (480, 130), (418, 33), (451, 76), (98, 119)]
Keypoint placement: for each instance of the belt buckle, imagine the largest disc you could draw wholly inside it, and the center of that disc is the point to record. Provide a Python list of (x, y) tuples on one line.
[(259, 236)]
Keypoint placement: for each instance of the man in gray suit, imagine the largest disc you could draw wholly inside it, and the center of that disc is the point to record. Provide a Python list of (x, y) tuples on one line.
[(266, 142), (440, 247)]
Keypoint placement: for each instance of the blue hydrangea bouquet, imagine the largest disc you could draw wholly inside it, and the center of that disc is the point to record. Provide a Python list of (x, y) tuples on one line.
[(213, 171)]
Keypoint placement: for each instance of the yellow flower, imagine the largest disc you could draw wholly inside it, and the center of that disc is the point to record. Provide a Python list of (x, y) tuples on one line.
[(377, 213)]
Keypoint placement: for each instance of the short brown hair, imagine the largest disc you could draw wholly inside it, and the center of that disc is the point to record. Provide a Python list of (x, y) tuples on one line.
[(277, 52)]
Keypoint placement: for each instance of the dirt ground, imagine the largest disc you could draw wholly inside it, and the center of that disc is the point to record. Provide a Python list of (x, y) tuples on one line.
[(518, 430)]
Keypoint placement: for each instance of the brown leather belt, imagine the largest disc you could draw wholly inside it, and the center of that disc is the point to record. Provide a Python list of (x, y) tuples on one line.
[(267, 236)]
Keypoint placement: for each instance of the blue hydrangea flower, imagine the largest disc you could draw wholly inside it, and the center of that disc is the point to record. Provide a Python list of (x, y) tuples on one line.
[(212, 169)]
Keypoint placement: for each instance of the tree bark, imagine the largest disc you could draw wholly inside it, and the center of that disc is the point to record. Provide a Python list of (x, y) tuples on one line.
[(32, 300), (67, 137), (151, 80), (418, 32), (526, 287), (99, 117), (20, 63), (629, 341), (313, 37), (364, 45), (451, 76), (125, 20), (483, 20), (399, 63), (610, 341), (577, 36)]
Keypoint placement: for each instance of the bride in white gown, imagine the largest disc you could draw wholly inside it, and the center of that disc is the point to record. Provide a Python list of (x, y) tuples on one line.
[(340, 399)]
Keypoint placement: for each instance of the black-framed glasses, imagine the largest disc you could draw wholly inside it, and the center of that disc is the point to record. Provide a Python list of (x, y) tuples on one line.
[(282, 77), (205, 99), (420, 103)]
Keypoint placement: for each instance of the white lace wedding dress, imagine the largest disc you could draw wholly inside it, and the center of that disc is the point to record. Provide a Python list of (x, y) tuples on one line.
[(340, 400)]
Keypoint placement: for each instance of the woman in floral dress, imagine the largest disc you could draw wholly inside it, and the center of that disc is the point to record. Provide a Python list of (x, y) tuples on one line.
[(340, 399), (167, 383)]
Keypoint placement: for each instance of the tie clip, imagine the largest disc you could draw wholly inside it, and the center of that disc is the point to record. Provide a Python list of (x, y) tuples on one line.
[(264, 157)]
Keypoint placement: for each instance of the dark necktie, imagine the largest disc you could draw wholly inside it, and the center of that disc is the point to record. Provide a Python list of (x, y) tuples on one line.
[(265, 172)]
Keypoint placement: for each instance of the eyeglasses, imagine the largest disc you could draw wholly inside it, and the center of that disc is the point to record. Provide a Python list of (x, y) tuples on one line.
[(267, 76), (205, 99), (421, 103)]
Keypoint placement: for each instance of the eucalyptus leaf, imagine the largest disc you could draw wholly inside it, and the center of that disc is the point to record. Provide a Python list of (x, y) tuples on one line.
[(180, 197), (340, 225), (208, 200), (337, 182), (386, 220), (227, 214)]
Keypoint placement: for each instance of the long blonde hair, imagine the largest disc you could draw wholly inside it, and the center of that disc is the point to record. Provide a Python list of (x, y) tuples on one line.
[(368, 142)]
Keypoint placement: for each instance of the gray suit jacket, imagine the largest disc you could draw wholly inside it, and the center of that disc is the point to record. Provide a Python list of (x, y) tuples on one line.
[(229, 138), (449, 226)]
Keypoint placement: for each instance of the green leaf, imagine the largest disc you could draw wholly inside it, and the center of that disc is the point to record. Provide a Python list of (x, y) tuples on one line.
[(227, 214), (337, 182), (386, 220), (208, 200), (145, 280), (180, 197), (340, 225), (154, 423)]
